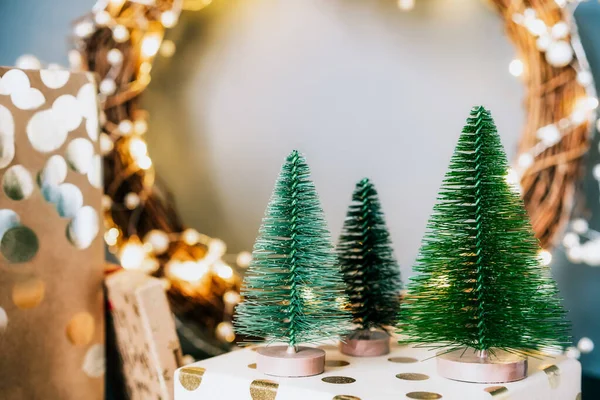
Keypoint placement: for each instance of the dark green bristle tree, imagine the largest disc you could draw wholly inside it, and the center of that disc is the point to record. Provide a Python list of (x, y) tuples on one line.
[(371, 272), (293, 290), (480, 282)]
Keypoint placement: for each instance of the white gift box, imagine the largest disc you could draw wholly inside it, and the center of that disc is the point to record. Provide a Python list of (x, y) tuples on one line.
[(405, 373)]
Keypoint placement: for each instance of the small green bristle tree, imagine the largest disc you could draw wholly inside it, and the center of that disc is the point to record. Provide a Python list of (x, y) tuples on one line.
[(293, 291), (371, 272), (480, 282)]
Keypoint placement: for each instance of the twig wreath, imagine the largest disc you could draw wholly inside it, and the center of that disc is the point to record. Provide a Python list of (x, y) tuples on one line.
[(119, 40)]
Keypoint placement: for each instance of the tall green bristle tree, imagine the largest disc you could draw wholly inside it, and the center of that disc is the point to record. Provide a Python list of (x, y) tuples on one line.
[(293, 290), (371, 272), (480, 282)]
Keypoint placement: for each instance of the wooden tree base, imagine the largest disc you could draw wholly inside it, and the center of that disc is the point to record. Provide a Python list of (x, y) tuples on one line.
[(467, 365), (375, 344), (277, 361)]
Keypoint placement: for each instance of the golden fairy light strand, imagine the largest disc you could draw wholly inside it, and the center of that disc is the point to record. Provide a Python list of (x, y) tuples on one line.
[(119, 41)]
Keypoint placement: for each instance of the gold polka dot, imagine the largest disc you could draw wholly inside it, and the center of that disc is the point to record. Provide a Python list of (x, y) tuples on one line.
[(252, 366), (345, 397), (80, 329), (578, 396), (339, 380), (191, 377), (553, 374), (423, 395), (29, 293), (403, 360), (497, 391), (263, 389), (410, 376), (336, 363)]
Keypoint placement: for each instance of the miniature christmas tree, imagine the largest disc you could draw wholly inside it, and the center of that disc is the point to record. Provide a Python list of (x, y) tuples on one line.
[(480, 283), (371, 272), (293, 290)]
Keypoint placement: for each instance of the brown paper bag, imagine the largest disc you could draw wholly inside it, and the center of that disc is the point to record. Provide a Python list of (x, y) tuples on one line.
[(51, 251)]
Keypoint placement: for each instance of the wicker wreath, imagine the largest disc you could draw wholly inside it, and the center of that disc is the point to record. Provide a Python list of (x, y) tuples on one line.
[(119, 40)]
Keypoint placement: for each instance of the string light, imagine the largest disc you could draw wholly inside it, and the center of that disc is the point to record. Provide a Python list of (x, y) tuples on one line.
[(406, 5), (168, 19), (150, 45), (225, 332), (167, 48), (224, 271), (243, 259), (132, 255), (188, 271), (120, 33), (114, 57), (132, 200), (111, 236), (84, 29), (108, 87), (144, 162), (140, 126), (545, 257), (157, 240), (102, 18), (190, 236), (137, 148), (516, 67)]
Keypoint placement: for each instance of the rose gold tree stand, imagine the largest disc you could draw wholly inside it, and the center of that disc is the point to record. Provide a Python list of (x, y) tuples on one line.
[(369, 344), (470, 365), (284, 361)]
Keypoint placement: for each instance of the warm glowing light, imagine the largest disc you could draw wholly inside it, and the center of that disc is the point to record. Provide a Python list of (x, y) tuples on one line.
[(144, 162), (102, 18), (150, 45), (168, 19), (224, 331), (120, 33), (125, 127), (84, 29), (189, 271), (111, 236), (108, 87), (190, 236), (28, 61), (158, 240), (516, 67), (587, 103), (585, 345), (243, 259), (536, 26), (512, 178), (106, 144), (217, 248), (406, 5), (545, 257), (140, 126), (132, 200), (231, 297), (167, 48), (137, 148), (525, 160), (224, 271), (132, 255), (114, 57), (117, 3)]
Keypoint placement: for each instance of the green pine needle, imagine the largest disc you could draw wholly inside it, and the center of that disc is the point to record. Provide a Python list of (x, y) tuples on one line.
[(480, 282), (371, 272), (293, 290)]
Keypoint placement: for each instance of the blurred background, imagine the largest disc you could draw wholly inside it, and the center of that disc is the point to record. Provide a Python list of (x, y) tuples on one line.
[(360, 87)]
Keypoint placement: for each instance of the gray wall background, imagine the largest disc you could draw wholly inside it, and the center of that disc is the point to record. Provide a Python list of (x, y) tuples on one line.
[(360, 87)]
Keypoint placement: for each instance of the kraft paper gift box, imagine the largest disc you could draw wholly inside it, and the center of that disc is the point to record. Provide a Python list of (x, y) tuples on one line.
[(51, 249), (405, 373), (146, 334)]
